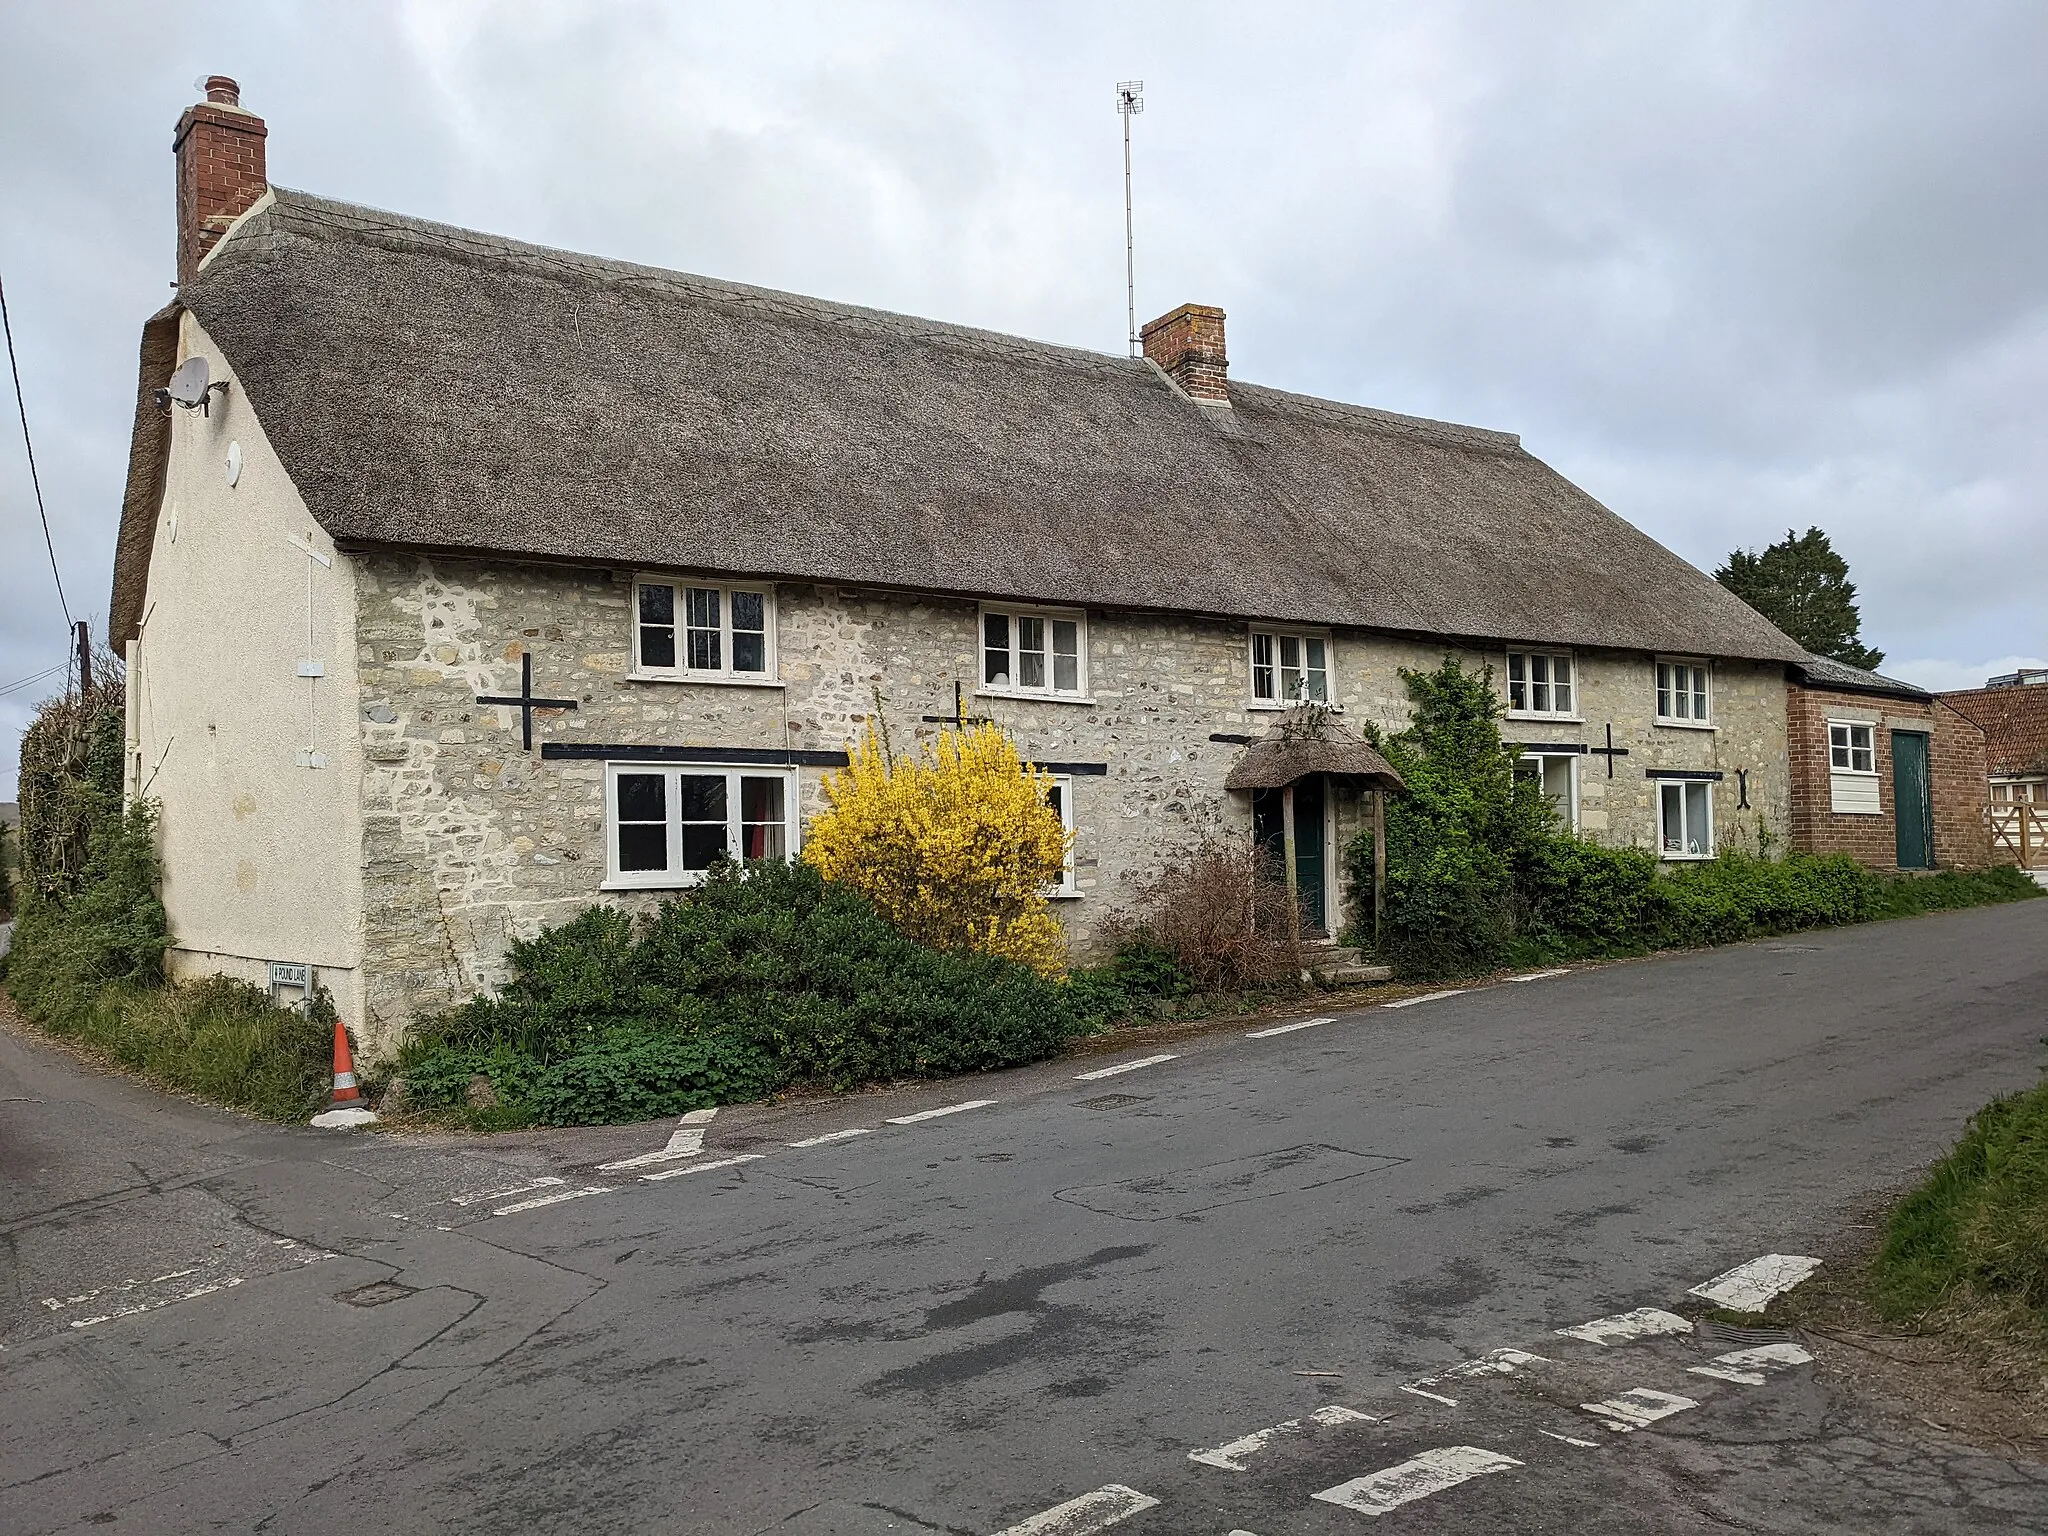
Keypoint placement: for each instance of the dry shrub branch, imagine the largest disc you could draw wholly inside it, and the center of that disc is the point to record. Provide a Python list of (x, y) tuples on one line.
[(1224, 913)]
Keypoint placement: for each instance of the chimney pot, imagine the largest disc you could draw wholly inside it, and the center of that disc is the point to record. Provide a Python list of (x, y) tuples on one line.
[(221, 173), (1187, 344)]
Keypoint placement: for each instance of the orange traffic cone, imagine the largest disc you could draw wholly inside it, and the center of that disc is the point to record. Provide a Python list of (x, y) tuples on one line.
[(346, 1107)]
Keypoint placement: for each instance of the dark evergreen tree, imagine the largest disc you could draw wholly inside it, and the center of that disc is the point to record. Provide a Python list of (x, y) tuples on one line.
[(1801, 585)]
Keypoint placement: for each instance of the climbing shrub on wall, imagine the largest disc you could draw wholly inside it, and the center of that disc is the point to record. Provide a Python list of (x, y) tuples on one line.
[(955, 847), (1480, 873)]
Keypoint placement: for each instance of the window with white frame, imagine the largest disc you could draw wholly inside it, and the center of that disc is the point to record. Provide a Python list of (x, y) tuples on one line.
[(666, 824), (1290, 668), (1060, 796), (1852, 769), (1540, 683), (1684, 693), (1685, 818), (712, 632), (1034, 651), (1557, 775)]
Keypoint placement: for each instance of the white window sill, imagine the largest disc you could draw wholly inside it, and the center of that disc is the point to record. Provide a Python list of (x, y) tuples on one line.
[(1062, 895), (739, 681), (1685, 858), (1537, 715), (1875, 810), (1685, 725), (683, 882), (1269, 706), (1852, 773), (1034, 698)]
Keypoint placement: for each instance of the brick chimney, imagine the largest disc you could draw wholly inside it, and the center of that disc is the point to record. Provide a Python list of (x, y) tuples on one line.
[(220, 170), (1188, 344)]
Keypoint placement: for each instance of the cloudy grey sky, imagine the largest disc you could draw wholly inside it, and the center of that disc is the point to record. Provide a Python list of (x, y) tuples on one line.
[(1732, 267)]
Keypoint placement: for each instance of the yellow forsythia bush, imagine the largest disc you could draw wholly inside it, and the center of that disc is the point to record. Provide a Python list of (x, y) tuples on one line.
[(954, 847)]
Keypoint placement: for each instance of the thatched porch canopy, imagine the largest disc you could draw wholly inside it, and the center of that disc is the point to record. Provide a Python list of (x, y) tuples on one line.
[(1307, 742)]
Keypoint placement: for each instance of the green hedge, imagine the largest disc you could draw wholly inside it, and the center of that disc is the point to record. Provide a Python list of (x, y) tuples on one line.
[(1480, 874), (740, 988)]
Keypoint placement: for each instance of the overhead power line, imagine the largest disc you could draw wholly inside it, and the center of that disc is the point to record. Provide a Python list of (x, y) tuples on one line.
[(28, 443), (34, 678)]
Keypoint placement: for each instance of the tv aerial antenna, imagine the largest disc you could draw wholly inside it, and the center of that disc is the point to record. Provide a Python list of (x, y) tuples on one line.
[(1130, 101)]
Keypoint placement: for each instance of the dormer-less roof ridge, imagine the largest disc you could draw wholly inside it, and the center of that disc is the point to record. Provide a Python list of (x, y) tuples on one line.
[(433, 388), (304, 213)]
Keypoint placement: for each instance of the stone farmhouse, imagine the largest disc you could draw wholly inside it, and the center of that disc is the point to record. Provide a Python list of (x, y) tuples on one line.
[(476, 582)]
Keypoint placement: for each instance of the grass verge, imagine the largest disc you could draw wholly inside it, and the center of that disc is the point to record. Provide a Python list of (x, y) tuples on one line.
[(217, 1039), (1939, 1297), (1976, 1229)]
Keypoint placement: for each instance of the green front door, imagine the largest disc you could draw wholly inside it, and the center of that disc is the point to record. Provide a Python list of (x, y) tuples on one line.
[(1308, 852), (1269, 826), (1912, 800)]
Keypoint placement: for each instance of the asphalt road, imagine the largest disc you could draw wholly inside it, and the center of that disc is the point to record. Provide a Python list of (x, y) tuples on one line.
[(964, 1321)]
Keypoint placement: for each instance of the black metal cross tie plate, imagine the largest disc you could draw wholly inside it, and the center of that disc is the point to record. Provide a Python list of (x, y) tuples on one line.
[(1610, 751), (526, 701)]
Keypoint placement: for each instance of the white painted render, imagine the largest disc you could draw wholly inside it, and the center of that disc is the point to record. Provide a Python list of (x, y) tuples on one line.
[(262, 855)]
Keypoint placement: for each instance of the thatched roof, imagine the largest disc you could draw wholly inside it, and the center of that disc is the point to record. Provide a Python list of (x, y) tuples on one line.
[(1307, 742), (439, 389)]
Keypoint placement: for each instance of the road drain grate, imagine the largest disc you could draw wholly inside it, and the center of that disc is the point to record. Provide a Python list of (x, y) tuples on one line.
[(1115, 1101), (376, 1293)]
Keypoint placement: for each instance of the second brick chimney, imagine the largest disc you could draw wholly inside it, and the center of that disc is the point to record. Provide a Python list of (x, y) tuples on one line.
[(220, 170), (1188, 344)]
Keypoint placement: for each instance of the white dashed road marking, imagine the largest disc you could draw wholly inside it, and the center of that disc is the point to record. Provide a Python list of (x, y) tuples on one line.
[(555, 1199), (933, 1114), (1540, 975), (546, 1181), (687, 1140), (1591, 1445), (720, 1162), (150, 1306), (1749, 1367), (1626, 1327), (1427, 997), (1631, 1410), (1288, 1029), (1435, 1397), (1091, 1512), (1750, 1287), (1431, 1472), (832, 1136), (1497, 1362), (1231, 1457), (1124, 1066)]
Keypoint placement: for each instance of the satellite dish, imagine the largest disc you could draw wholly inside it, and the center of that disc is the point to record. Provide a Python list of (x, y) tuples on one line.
[(189, 388), (188, 384)]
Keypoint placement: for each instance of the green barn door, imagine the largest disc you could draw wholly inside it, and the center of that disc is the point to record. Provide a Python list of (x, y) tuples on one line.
[(1912, 801)]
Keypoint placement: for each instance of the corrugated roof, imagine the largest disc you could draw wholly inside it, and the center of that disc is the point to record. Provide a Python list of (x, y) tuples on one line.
[(437, 388)]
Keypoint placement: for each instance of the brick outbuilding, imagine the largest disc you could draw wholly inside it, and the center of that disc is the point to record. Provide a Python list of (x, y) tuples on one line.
[(2013, 712), (1883, 771)]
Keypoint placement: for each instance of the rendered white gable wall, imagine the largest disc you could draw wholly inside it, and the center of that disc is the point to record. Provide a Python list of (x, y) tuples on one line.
[(262, 855)]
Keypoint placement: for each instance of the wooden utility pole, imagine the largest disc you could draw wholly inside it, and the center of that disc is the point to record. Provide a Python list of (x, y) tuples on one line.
[(84, 657)]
